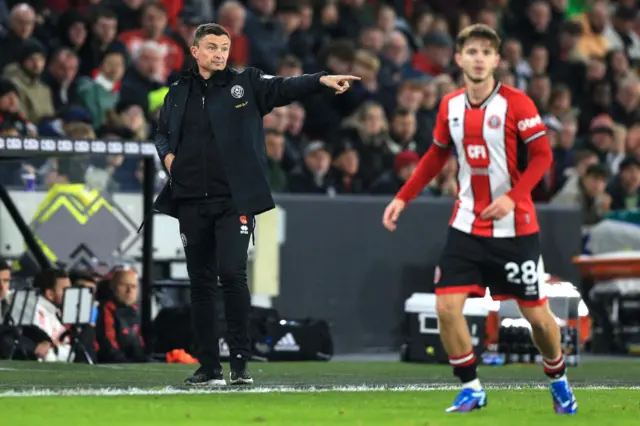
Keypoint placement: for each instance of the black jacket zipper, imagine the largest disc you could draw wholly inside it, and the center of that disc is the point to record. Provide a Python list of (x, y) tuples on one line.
[(204, 143)]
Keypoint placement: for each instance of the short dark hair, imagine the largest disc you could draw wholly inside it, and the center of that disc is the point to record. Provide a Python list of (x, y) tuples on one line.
[(105, 13), (597, 171), (479, 31), (209, 29), (46, 279), (402, 112), (4, 264)]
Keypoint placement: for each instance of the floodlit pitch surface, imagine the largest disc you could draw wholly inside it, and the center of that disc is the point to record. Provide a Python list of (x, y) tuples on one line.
[(333, 393)]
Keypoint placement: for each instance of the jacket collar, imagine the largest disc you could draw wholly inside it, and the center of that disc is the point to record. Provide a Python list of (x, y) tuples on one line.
[(219, 78)]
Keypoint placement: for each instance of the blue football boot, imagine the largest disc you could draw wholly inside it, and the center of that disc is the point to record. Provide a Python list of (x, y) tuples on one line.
[(468, 400)]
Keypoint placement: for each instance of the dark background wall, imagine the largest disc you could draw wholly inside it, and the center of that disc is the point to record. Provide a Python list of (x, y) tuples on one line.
[(340, 264)]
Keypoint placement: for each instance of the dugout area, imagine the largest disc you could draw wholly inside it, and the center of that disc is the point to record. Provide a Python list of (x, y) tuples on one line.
[(312, 393)]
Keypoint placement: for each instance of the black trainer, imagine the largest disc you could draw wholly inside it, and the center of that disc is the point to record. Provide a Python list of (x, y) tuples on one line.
[(204, 378), (240, 377)]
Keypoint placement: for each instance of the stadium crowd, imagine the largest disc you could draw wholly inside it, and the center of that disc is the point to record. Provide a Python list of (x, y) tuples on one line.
[(87, 69)]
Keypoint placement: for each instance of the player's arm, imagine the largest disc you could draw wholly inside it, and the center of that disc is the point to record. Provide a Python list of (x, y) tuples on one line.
[(433, 161), (534, 134)]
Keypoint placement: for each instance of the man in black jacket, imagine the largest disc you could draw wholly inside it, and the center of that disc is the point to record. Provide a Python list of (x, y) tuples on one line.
[(210, 139)]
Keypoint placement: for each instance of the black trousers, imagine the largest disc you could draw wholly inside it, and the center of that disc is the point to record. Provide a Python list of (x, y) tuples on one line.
[(215, 239)]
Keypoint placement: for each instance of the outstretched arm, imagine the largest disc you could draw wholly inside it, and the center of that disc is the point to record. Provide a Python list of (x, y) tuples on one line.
[(272, 92)]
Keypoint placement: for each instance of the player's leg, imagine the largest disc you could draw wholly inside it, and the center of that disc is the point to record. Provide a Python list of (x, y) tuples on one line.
[(233, 232), (516, 274), (546, 336), (197, 232), (458, 277)]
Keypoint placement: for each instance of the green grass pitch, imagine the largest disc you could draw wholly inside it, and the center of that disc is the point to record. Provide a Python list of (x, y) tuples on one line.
[(332, 393)]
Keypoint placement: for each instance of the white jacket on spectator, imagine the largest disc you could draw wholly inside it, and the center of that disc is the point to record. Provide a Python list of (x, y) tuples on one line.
[(47, 319)]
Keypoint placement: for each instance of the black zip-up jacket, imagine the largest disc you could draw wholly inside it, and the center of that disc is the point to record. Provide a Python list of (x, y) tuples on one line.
[(198, 172), (235, 109), (118, 335)]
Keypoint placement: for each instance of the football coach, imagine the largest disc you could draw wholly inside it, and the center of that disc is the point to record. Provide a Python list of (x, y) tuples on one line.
[(211, 141)]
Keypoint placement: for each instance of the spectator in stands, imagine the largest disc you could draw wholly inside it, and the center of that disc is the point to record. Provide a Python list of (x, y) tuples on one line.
[(624, 190), (188, 21), (294, 137), (5, 283), (129, 13), (289, 66), (396, 64), (312, 176), (102, 39), (366, 66), (129, 115), (60, 76), (345, 169), (426, 117), (154, 24), (539, 90), (626, 107), (587, 193), (275, 146), (266, 35), (72, 31), (22, 22), (35, 97), (390, 182), (434, 58), (100, 93), (620, 34), (6, 337), (602, 142), (145, 75), (368, 130), (373, 40), (593, 42), (55, 346), (118, 335), (403, 130), (12, 121)]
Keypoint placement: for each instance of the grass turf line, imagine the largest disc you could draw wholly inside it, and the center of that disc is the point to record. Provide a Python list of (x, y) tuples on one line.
[(507, 407)]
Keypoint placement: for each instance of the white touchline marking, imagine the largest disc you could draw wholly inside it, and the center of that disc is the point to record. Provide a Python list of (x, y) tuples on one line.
[(274, 389)]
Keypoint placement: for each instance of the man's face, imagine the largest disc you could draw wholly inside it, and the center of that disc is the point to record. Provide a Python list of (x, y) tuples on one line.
[(34, 64), (126, 289), (404, 127), (274, 144), (296, 119), (512, 52), (396, 49), (113, 66), (598, 17), (594, 186), (405, 172), (630, 178), (374, 120), (150, 64), (23, 23), (568, 134), (234, 19), (430, 96), (56, 295), (439, 55), (602, 140), (539, 59), (212, 52), (5, 281), (318, 161), (478, 60), (540, 16), (10, 102), (154, 22), (372, 39), (65, 69), (348, 162), (410, 99), (105, 29)]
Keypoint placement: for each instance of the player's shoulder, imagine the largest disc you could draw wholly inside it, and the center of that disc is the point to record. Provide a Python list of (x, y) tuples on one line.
[(511, 93), (444, 102)]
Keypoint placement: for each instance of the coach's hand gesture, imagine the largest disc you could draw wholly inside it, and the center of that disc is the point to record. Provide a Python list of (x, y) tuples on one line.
[(501, 207), (392, 213), (338, 82)]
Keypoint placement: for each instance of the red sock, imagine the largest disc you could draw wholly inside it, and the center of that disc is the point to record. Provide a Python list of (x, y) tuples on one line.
[(554, 368), (464, 366)]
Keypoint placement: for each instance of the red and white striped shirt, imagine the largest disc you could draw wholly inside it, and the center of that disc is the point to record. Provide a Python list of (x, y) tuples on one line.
[(502, 148)]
